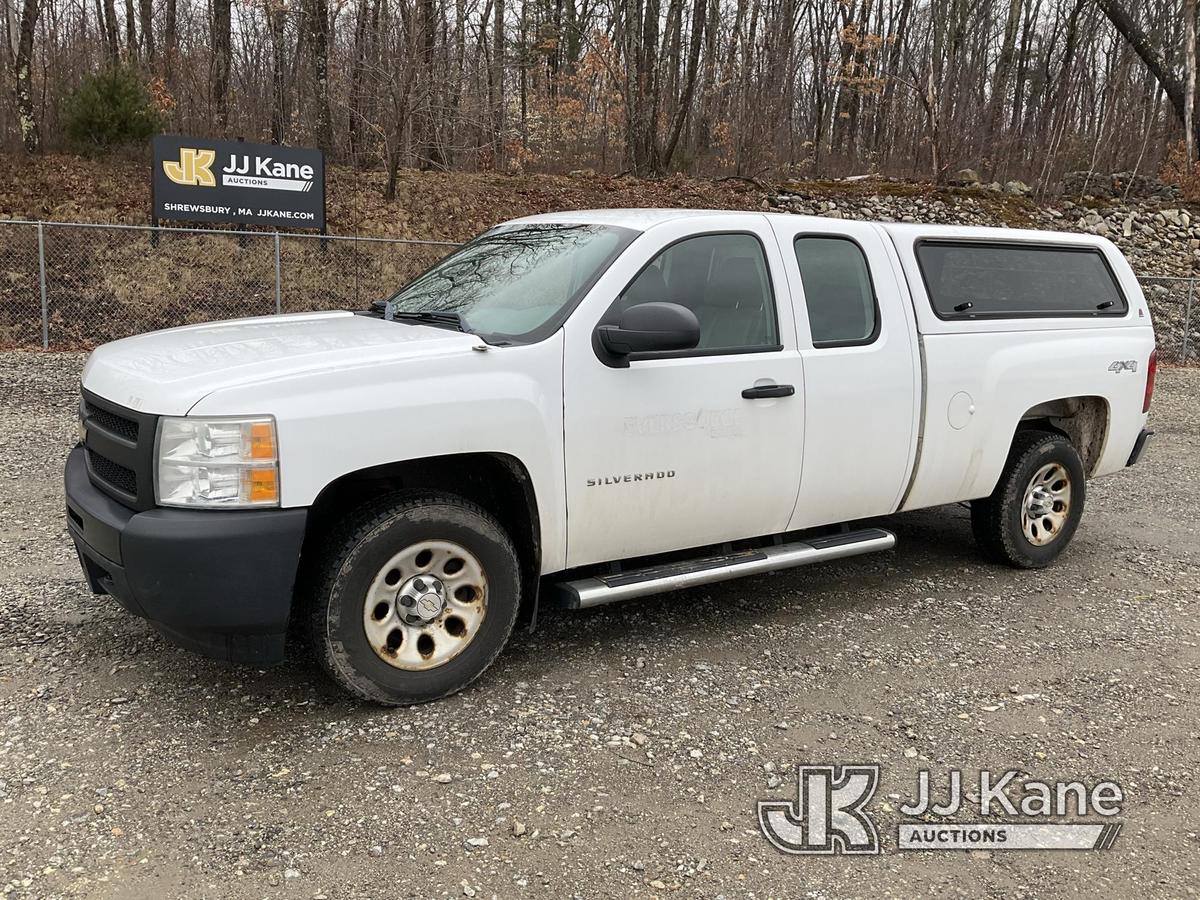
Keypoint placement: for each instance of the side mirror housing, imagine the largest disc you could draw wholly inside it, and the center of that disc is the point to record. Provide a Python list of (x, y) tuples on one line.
[(651, 328)]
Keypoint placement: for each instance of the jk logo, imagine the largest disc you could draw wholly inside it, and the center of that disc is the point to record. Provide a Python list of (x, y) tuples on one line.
[(192, 168), (828, 815)]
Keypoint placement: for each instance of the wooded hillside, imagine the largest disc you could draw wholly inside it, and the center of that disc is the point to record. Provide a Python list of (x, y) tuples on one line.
[(1013, 88)]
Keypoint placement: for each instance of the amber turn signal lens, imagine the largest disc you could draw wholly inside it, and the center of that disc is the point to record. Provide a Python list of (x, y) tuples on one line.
[(260, 485), (262, 440)]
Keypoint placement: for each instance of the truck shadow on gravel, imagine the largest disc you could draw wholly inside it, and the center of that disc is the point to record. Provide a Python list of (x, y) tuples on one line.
[(928, 542), (703, 623)]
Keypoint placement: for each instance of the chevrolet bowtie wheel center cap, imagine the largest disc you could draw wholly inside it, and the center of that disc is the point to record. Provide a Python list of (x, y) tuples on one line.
[(421, 600)]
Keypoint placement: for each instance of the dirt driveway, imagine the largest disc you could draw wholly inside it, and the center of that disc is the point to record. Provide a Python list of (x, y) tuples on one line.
[(618, 752)]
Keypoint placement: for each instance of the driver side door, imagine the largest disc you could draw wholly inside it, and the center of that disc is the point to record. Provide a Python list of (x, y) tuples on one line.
[(681, 449)]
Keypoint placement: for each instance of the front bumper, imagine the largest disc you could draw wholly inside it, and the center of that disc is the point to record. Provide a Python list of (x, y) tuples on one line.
[(219, 583)]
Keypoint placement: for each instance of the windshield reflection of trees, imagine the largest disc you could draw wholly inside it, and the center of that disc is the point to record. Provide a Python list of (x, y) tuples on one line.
[(495, 263)]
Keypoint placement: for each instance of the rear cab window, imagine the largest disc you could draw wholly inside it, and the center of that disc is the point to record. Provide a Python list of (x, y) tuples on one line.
[(972, 280), (839, 295)]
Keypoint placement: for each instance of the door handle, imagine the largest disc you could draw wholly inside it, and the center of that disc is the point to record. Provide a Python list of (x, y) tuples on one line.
[(764, 391)]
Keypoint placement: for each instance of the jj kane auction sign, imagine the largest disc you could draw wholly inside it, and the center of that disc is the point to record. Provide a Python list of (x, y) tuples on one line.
[(231, 181)]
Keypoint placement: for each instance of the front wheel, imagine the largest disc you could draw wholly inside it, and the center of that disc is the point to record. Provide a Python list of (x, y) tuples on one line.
[(1033, 513), (415, 598)]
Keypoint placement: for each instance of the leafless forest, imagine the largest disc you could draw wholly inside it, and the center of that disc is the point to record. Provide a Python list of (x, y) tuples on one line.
[(806, 88)]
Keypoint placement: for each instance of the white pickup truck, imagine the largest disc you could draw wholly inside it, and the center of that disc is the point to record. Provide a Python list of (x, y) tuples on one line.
[(599, 405)]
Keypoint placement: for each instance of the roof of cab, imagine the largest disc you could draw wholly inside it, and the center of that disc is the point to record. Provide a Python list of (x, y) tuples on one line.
[(642, 219), (626, 218)]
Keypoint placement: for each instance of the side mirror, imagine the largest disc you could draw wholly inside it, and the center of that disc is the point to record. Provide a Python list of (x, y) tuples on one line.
[(651, 328)]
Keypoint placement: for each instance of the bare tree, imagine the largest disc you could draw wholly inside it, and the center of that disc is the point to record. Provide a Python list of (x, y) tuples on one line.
[(27, 123), (319, 38), (276, 14), (1016, 88), (1189, 99), (170, 34), (146, 13), (219, 41), (497, 84), (1173, 85), (108, 16), (131, 40), (1004, 66)]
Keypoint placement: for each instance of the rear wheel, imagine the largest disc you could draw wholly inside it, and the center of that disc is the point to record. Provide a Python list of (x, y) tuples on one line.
[(415, 598), (1033, 513)]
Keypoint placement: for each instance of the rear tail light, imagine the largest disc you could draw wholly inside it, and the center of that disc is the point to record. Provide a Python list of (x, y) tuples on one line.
[(1151, 371)]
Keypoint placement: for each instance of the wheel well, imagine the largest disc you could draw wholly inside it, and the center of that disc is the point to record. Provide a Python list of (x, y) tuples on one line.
[(1082, 420), (498, 482)]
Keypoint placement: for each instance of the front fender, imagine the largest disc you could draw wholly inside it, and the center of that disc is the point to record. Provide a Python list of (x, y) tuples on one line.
[(505, 400)]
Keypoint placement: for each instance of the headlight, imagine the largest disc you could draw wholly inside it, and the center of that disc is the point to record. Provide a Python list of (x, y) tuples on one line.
[(225, 463)]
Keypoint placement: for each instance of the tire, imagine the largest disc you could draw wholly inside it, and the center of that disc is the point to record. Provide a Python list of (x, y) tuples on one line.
[(373, 618), (1027, 525)]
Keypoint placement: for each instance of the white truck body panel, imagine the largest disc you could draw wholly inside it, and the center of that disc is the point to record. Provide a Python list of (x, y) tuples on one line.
[(1000, 368), (924, 414), (335, 422), (855, 464), (169, 371), (730, 467)]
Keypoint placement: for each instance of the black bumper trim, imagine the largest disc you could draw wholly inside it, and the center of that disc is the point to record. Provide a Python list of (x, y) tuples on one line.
[(1139, 446), (216, 582)]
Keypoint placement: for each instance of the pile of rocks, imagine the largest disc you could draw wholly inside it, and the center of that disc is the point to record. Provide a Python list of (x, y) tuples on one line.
[(1159, 241), (969, 178), (1121, 185)]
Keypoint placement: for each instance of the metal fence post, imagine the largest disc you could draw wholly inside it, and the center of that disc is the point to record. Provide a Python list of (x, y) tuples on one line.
[(41, 232), (1187, 320), (278, 290)]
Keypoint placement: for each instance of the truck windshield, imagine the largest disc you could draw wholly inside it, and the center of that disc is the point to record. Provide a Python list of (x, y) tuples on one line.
[(515, 283)]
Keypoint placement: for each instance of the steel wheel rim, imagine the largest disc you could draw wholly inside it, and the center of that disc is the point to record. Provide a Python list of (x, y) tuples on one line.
[(1047, 504), (425, 605)]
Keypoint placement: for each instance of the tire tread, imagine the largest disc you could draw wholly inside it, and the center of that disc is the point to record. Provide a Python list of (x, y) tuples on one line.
[(992, 535), (348, 534)]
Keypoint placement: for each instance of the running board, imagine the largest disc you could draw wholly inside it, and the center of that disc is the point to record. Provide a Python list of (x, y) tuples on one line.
[(599, 589)]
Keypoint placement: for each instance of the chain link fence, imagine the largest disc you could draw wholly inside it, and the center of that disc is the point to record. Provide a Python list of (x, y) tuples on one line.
[(1175, 308), (66, 285)]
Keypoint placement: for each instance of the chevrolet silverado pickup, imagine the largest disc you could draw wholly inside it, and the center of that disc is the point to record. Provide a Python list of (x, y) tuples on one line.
[(593, 406)]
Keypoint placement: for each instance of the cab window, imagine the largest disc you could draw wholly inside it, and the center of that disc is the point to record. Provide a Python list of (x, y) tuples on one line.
[(837, 291), (723, 279)]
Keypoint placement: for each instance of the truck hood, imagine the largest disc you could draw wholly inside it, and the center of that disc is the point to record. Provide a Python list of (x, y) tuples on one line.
[(169, 372)]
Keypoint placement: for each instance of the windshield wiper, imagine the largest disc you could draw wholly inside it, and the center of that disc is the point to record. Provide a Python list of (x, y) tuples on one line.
[(433, 317), (438, 317)]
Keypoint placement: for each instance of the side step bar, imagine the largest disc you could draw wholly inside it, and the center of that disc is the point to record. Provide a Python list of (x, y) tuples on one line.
[(599, 589)]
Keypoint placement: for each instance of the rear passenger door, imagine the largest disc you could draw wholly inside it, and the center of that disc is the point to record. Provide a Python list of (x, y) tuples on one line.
[(690, 448), (857, 336)]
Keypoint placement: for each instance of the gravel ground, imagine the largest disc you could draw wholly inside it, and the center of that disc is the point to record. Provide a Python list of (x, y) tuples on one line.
[(617, 752)]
